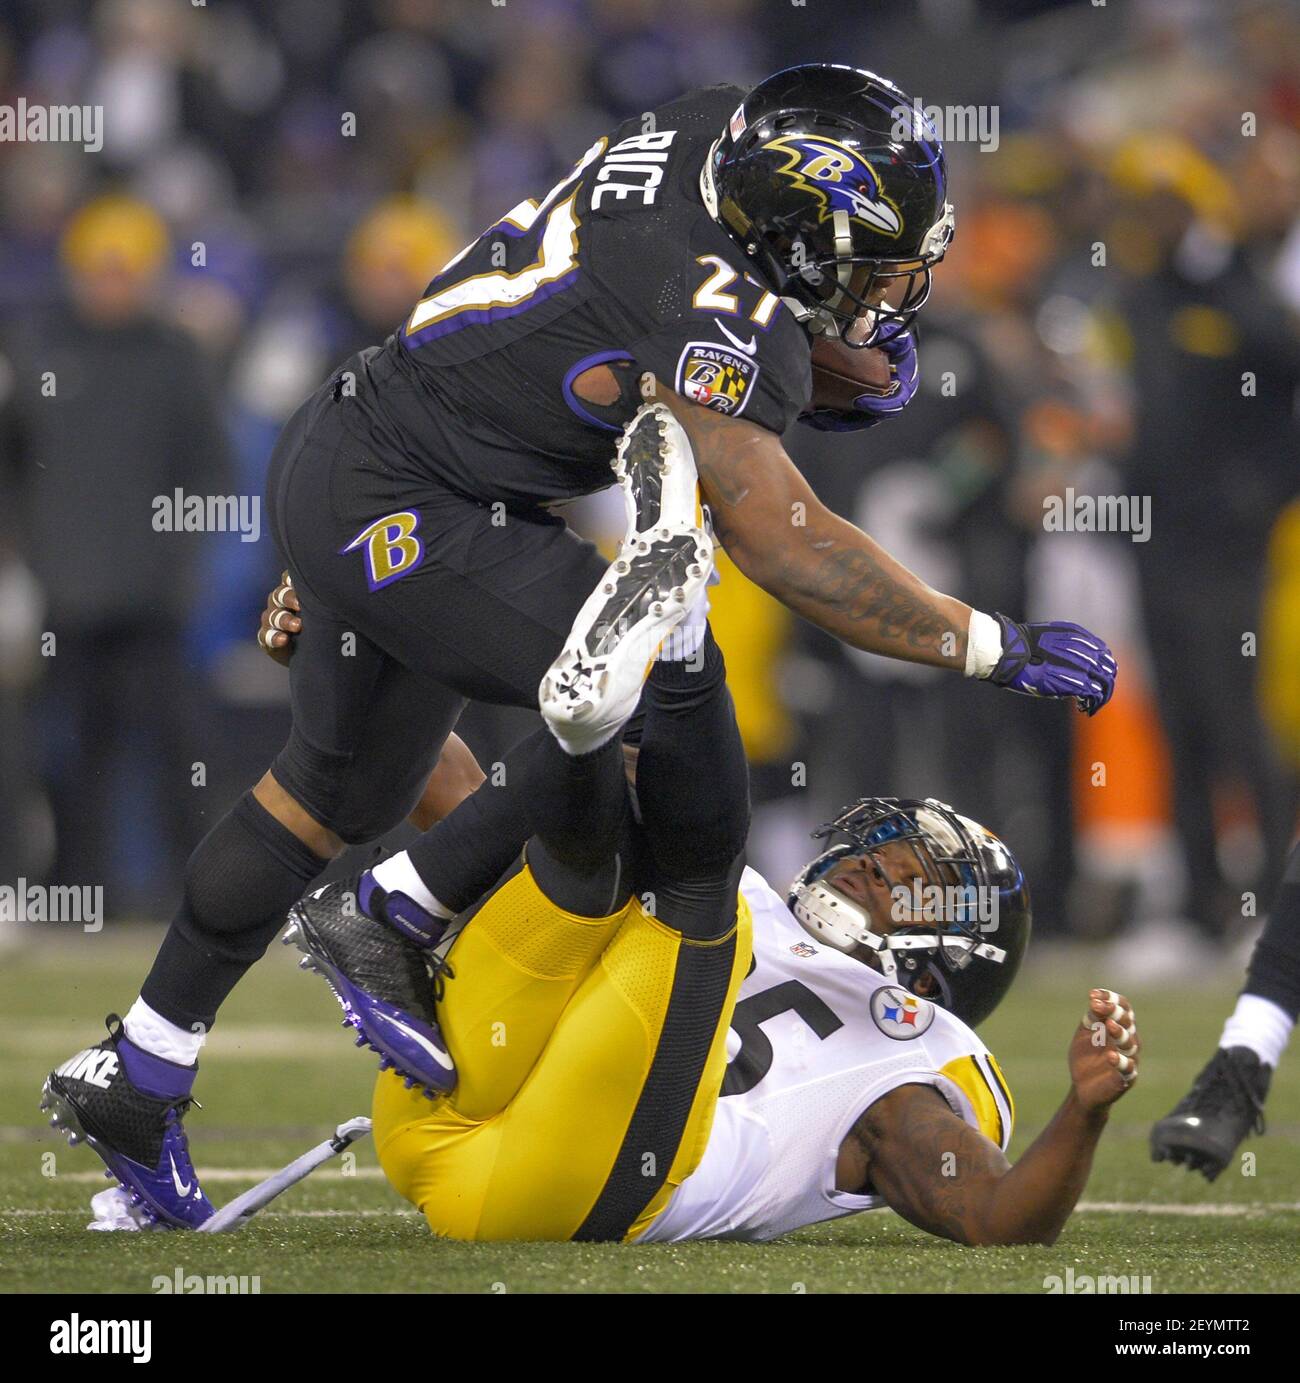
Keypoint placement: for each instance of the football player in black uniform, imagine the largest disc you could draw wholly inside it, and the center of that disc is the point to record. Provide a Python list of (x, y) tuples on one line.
[(696, 252)]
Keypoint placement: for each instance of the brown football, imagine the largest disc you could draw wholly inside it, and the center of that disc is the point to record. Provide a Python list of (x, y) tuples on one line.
[(840, 373)]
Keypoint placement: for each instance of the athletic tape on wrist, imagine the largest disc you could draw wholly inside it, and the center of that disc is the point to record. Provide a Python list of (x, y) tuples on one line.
[(983, 644)]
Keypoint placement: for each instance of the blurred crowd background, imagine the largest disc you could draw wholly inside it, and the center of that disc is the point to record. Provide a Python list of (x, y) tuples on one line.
[(1118, 316)]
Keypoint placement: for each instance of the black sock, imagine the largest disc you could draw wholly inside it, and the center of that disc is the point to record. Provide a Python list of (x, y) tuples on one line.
[(578, 801), (692, 778), (460, 857), (1274, 971), (239, 883), (580, 822)]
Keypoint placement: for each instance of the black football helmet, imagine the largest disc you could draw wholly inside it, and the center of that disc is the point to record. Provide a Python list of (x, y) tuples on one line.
[(834, 184), (957, 900)]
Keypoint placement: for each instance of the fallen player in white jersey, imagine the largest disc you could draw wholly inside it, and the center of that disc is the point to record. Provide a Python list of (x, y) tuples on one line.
[(845, 1091), (650, 1044)]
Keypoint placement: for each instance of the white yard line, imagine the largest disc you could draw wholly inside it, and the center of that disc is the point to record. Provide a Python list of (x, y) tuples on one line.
[(1226, 1210), (1235, 1209)]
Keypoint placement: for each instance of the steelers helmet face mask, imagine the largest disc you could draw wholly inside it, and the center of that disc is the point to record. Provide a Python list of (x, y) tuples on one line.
[(929, 898), (835, 186)]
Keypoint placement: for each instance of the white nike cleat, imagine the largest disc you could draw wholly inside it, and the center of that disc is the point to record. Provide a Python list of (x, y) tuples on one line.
[(655, 467), (663, 564)]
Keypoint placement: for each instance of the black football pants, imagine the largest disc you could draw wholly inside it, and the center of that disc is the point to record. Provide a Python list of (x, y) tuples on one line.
[(414, 599), (385, 662)]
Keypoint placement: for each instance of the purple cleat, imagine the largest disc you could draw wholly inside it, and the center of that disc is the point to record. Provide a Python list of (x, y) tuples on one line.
[(127, 1104), (375, 951)]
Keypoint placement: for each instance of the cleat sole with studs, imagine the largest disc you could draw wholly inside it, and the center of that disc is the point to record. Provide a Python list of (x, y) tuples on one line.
[(299, 933), (647, 589)]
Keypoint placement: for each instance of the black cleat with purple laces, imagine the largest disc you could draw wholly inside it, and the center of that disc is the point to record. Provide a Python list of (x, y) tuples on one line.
[(127, 1105), (375, 951)]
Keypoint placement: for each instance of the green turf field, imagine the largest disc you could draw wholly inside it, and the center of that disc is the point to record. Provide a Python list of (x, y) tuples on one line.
[(280, 1073)]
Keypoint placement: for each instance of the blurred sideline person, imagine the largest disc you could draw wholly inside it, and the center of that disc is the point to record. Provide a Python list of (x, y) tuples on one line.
[(20, 615), (387, 261), (114, 410), (409, 495), (1214, 447), (1279, 671)]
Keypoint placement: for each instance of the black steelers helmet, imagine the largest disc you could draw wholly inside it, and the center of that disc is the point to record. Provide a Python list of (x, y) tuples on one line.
[(957, 897), (834, 183)]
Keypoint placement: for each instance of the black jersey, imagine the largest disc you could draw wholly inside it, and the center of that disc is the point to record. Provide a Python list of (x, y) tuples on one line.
[(620, 263)]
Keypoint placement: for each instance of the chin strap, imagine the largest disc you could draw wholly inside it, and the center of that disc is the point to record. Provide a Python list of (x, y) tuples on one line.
[(843, 247), (708, 188), (939, 236), (841, 923), (886, 946)]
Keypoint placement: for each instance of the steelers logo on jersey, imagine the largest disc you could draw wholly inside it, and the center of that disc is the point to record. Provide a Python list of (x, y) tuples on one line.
[(716, 376), (900, 1015)]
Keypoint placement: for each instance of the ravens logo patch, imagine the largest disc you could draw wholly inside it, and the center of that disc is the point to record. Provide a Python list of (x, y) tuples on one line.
[(716, 376)]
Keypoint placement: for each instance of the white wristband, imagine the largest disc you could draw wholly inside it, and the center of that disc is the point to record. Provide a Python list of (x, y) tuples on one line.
[(983, 644)]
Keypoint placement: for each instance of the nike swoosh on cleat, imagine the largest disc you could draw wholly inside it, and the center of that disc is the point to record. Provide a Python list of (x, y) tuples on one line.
[(740, 345), (436, 1052), (182, 1188)]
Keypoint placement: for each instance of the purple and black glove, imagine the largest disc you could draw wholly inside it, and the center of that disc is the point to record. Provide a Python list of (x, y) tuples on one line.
[(1055, 659), (870, 409)]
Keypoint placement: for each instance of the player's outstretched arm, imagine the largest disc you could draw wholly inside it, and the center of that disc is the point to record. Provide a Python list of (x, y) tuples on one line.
[(786, 540), (824, 568), (947, 1178)]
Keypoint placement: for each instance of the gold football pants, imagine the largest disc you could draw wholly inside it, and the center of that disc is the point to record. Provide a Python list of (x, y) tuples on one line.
[(590, 1054)]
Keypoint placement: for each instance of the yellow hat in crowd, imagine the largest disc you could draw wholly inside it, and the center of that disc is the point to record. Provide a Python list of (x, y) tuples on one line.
[(406, 232), (116, 232), (1163, 162)]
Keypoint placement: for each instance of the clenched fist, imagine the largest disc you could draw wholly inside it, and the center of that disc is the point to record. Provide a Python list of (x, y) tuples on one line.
[(1104, 1050)]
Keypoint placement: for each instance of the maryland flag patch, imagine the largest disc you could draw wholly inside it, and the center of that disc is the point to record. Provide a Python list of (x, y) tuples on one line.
[(716, 376)]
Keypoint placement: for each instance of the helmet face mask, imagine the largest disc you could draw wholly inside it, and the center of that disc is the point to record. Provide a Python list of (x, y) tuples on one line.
[(927, 897), (836, 188), (863, 301)]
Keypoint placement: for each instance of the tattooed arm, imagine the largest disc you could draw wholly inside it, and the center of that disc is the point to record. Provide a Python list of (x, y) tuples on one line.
[(784, 539), (943, 1176), (938, 1172)]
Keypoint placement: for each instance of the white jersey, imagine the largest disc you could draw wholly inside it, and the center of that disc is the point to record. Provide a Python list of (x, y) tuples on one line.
[(817, 1037)]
